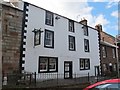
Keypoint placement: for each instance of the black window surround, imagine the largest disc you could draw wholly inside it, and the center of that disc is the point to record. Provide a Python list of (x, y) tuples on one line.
[(85, 30), (71, 26), (49, 39), (49, 19), (86, 45), (72, 43), (84, 64), (47, 64)]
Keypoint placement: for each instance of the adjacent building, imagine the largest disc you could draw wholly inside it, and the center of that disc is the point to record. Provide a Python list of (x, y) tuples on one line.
[(56, 44), (108, 59), (11, 28)]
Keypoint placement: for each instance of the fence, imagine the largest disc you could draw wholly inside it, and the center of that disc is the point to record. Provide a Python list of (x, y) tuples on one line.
[(47, 80), (15, 80)]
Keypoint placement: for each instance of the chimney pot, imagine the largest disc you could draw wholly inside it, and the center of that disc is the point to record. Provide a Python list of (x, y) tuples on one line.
[(84, 21)]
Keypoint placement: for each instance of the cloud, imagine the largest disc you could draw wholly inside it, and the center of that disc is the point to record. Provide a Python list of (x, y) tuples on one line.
[(112, 3), (74, 10), (114, 14), (101, 20), (100, 0)]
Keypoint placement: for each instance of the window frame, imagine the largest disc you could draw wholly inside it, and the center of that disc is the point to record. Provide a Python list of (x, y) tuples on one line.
[(39, 39), (84, 63), (86, 44), (48, 70), (49, 17), (104, 53), (52, 39), (113, 53), (71, 25), (73, 43), (104, 66), (85, 30)]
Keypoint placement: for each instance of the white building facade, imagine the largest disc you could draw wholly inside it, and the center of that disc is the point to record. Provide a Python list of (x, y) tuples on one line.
[(56, 44)]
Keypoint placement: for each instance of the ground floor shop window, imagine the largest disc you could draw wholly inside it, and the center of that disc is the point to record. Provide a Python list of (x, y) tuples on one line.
[(48, 64)]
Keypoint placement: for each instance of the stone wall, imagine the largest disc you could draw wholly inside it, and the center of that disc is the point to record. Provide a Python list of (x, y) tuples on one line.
[(11, 38)]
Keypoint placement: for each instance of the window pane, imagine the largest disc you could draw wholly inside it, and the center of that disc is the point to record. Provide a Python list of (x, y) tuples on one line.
[(66, 66), (113, 52), (52, 64), (49, 38), (86, 64), (67, 75), (86, 45), (71, 43), (104, 52), (85, 30), (49, 18), (43, 64), (71, 25), (104, 67), (81, 64)]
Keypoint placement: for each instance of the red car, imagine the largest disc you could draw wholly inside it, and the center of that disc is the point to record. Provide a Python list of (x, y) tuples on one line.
[(111, 84)]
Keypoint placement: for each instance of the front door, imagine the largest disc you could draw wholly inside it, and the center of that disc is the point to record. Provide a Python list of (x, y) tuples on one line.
[(97, 71), (67, 69)]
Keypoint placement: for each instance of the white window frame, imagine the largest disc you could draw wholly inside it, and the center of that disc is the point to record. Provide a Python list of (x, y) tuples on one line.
[(113, 52), (103, 52)]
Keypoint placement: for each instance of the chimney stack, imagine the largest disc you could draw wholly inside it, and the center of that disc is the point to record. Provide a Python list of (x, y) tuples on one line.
[(17, 3), (1, 1), (99, 27), (84, 21), (14, 2)]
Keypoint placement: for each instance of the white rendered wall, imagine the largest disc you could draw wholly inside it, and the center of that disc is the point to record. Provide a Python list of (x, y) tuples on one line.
[(36, 19)]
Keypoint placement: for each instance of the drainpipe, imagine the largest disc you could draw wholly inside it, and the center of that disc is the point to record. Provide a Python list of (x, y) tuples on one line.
[(117, 57), (0, 46)]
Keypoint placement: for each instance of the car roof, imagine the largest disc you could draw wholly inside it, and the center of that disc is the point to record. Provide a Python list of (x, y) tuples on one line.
[(105, 81)]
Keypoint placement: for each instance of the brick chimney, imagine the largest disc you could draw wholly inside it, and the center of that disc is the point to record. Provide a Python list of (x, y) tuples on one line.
[(84, 21), (99, 27)]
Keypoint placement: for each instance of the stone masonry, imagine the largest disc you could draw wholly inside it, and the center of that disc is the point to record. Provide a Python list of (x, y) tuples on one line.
[(11, 38)]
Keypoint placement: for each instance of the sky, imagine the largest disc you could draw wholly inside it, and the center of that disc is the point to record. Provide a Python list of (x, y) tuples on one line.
[(104, 12)]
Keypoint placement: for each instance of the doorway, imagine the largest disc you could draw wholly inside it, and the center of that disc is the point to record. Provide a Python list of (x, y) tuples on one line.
[(67, 69), (97, 71)]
